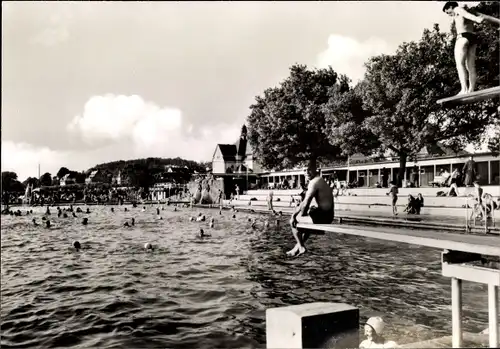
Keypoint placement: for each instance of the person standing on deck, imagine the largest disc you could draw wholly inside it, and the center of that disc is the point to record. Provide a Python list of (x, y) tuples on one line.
[(319, 190), (384, 177), (414, 177), (270, 200), (470, 171), (393, 191)]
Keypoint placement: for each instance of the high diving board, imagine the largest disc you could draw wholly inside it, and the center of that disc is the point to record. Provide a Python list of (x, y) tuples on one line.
[(473, 97), (480, 244)]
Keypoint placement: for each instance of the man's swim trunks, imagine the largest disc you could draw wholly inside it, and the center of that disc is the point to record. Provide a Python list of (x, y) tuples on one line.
[(471, 37), (320, 216)]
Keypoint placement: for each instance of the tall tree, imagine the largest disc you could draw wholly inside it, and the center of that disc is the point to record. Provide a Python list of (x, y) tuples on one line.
[(10, 182), (287, 124), (35, 182), (63, 171), (46, 179), (346, 118)]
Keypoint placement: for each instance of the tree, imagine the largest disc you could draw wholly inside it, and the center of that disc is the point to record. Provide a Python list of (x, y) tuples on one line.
[(346, 118), (10, 183), (46, 179), (138, 175), (35, 182), (79, 177), (287, 124), (63, 171), (399, 96)]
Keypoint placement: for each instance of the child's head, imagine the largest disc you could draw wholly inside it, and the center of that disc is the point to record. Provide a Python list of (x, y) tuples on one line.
[(374, 328)]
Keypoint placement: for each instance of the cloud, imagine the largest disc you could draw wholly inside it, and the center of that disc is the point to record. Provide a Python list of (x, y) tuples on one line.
[(145, 126), (348, 56), (24, 158), (121, 128)]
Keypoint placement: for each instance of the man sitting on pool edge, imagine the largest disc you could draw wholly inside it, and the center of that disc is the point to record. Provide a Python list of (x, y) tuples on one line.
[(319, 190)]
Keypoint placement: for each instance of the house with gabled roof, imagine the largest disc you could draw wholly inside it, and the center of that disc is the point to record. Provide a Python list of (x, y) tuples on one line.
[(67, 180), (235, 158)]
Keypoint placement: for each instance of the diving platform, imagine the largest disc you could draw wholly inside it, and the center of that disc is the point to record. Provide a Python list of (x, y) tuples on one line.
[(488, 245), (462, 259), (472, 97)]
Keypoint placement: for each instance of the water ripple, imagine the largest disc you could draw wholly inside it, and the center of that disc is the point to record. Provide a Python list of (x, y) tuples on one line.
[(206, 293)]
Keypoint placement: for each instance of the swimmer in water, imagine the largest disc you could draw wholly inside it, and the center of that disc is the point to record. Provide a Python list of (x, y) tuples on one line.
[(374, 328), (65, 215), (74, 214), (77, 246), (203, 235), (112, 209), (35, 223), (148, 247), (85, 221), (47, 224)]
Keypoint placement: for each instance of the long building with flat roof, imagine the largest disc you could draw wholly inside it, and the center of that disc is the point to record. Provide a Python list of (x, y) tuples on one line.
[(236, 161)]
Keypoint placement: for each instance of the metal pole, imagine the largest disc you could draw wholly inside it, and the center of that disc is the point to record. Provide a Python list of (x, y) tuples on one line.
[(493, 315), (466, 215), (456, 312)]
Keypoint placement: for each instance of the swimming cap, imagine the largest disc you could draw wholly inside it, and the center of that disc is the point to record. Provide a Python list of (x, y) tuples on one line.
[(377, 324)]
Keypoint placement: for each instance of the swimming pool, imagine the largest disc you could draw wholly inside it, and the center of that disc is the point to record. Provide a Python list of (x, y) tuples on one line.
[(211, 292)]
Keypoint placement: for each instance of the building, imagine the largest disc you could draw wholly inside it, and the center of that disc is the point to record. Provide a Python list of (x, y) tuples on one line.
[(368, 171), (67, 180), (235, 158), (96, 176), (117, 180), (236, 164)]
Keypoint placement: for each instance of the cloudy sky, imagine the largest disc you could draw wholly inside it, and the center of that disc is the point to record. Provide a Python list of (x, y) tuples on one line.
[(91, 82)]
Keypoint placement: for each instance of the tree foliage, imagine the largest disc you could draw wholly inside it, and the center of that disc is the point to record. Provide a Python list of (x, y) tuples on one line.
[(46, 179), (287, 124), (346, 117), (33, 181), (63, 171), (10, 183)]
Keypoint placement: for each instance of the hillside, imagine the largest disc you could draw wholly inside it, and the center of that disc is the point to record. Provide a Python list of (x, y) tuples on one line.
[(152, 164)]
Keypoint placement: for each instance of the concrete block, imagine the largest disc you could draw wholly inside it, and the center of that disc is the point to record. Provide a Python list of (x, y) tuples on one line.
[(313, 325)]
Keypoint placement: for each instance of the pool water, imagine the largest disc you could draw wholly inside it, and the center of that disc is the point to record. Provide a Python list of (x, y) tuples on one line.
[(210, 292)]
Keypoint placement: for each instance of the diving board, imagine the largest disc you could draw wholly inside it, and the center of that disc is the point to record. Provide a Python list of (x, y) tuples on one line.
[(480, 244), (472, 97)]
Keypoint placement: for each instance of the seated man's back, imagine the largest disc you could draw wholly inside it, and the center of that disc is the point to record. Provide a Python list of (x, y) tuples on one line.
[(322, 193)]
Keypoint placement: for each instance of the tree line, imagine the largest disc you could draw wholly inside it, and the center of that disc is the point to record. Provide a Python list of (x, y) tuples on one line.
[(319, 116), (140, 173)]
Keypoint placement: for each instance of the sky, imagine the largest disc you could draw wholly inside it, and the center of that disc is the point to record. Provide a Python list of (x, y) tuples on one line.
[(93, 82)]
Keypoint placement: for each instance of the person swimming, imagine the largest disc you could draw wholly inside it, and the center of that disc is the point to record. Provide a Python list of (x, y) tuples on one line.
[(374, 328)]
